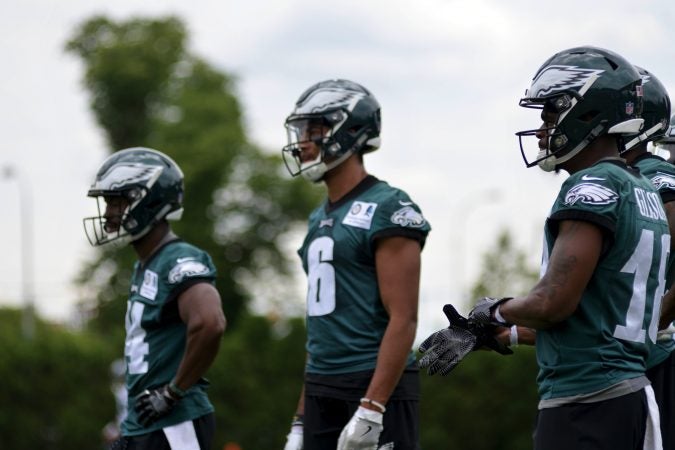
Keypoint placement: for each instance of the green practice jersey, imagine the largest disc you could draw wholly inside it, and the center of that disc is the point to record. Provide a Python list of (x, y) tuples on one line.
[(345, 316), (606, 339), (155, 334), (662, 175)]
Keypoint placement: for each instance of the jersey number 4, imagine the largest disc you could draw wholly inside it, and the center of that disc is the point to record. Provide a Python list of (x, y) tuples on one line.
[(320, 277), (135, 347)]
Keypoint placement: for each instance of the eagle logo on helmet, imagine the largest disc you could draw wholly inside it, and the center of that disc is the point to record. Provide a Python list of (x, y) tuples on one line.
[(590, 194), (121, 175), (661, 180), (327, 99), (561, 78)]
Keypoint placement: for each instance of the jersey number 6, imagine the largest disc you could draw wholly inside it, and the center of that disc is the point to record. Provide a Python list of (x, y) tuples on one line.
[(320, 277)]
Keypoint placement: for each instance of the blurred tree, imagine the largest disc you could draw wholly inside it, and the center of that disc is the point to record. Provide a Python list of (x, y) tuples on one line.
[(56, 387), (489, 401), (148, 89), (259, 373), (505, 271)]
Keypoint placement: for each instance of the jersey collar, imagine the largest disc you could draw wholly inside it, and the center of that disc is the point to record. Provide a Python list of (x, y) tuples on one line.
[(363, 186)]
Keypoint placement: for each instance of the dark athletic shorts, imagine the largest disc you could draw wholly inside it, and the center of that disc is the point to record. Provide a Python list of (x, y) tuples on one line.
[(204, 428), (330, 402), (615, 424)]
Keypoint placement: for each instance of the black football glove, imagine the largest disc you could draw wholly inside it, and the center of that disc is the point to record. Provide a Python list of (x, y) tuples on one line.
[(483, 325), (153, 404), (482, 312), (445, 348)]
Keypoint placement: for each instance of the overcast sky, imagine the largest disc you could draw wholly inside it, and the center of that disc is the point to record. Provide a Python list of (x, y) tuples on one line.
[(448, 75)]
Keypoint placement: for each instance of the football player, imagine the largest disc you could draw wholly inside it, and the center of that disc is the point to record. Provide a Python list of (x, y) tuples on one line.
[(174, 319), (596, 307), (362, 259), (656, 114)]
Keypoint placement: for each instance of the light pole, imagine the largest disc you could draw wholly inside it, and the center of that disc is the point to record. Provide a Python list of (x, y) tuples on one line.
[(26, 223)]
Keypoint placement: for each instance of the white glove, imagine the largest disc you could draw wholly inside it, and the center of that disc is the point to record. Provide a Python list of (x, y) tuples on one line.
[(666, 335), (294, 438), (362, 432)]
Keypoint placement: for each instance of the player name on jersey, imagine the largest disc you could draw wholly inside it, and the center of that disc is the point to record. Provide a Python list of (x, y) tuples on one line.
[(649, 204)]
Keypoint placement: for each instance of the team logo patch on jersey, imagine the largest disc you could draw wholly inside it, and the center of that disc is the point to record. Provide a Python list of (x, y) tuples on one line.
[(590, 194), (150, 285), (560, 78), (663, 180), (187, 269), (326, 222), (360, 215), (408, 217)]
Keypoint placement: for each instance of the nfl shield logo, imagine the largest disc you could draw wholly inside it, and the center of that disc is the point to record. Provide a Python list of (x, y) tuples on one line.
[(629, 108)]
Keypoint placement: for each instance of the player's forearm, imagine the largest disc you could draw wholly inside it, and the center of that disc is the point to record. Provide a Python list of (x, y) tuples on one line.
[(667, 309), (202, 344), (528, 312), (393, 355)]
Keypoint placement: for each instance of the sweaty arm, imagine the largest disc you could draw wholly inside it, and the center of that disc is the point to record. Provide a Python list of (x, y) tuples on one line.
[(573, 259), (201, 311), (397, 262)]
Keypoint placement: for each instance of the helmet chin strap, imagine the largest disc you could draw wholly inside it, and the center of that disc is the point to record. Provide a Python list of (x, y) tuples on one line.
[(642, 137), (549, 164)]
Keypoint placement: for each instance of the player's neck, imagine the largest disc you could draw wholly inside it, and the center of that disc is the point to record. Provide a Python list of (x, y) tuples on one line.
[(602, 148), (633, 154), (345, 177), (159, 235)]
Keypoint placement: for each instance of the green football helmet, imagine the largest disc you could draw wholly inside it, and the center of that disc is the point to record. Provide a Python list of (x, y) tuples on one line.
[(592, 92), (350, 117), (655, 111), (668, 137), (149, 183), (665, 146)]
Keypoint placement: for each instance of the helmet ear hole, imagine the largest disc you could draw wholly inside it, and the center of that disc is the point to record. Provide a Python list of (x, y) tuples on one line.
[(589, 116)]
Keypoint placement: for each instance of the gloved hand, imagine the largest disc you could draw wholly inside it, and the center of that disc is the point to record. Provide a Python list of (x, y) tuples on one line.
[(362, 432), (445, 348), (294, 439), (482, 324), (153, 404), (482, 312)]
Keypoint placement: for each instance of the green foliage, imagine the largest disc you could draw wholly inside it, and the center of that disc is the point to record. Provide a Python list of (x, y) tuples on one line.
[(257, 379), (55, 390), (505, 271), (147, 89), (128, 68), (488, 402)]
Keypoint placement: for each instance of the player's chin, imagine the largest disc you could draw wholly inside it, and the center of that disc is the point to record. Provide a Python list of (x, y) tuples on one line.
[(111, 227)]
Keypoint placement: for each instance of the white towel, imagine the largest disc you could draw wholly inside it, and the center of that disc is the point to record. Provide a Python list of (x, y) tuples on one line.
[(184, 437), (653, 431)]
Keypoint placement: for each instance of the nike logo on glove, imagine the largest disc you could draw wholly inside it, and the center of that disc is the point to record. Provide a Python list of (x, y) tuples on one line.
[(367, 431)]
